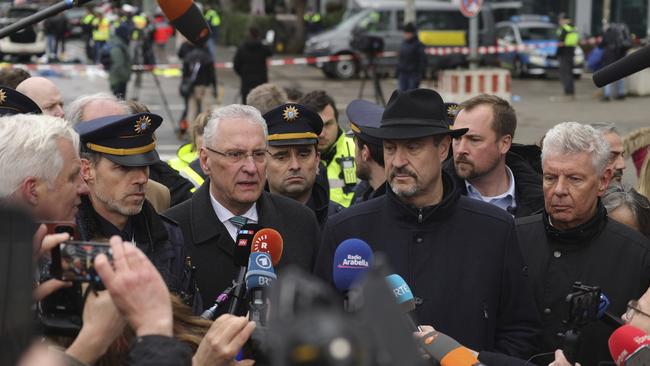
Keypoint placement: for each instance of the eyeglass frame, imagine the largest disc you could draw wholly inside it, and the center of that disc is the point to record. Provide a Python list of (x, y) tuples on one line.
[(632, 307), (231, 155)]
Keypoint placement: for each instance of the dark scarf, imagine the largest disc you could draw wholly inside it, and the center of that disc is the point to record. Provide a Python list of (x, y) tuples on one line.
[(581, 233)]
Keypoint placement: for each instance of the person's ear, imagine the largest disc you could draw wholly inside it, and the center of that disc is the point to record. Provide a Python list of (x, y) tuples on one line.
[(29, 190), (203, 159), (604, 180), (443, 148), (505, 142), (365, 153), (87, 171)]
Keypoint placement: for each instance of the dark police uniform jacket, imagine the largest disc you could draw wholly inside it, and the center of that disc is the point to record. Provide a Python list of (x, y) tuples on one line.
[(461, 260), (211, 247), (159, 238), (601, 252)]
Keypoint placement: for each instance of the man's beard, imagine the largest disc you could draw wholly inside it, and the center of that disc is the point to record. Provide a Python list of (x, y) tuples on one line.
[(472, 172), (114, 205), (617, 175), (408, 193)]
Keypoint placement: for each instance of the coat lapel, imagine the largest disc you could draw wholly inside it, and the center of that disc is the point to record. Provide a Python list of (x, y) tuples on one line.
[(206, 227)]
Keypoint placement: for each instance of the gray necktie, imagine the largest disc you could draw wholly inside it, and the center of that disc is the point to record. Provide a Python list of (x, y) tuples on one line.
[(238, 221)]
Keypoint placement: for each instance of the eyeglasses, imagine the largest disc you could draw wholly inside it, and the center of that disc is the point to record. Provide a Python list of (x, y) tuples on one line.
[(237, 156), (632, 307)]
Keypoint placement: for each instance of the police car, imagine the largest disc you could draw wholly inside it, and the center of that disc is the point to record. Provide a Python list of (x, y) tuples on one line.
[(538, 32)]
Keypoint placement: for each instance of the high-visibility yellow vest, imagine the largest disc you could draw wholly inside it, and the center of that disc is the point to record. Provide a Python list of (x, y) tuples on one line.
[(344, 148), (191, 175), (102, 29), (571, 36), (87, 19), (184, 156), (212, 17)]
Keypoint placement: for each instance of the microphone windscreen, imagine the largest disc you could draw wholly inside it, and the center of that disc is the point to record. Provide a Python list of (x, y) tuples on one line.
[(243, 243), (624, 341), (352, 259), (269, 241), (628, 65), (446, 350), (186, 17), (402, 292), (260, 270)]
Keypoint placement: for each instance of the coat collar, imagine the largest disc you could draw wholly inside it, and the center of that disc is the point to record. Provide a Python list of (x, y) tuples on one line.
[(438, 212), (207, 228)]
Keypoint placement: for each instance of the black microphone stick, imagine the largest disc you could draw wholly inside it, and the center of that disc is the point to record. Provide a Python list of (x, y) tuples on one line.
[(628, 65), (41, 15)]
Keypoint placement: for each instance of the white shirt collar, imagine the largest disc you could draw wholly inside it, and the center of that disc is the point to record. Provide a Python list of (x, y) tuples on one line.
[(225, 215), (505, 200)]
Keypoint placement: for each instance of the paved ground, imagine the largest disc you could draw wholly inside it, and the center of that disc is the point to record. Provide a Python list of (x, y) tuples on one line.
[(531, 98)]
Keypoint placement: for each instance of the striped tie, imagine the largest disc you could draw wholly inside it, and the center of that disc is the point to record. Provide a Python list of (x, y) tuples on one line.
[(238, 221)]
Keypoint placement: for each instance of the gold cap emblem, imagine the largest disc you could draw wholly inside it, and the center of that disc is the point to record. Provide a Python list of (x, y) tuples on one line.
[(3, 96), (290, 113), (142, 124), (452, 111)]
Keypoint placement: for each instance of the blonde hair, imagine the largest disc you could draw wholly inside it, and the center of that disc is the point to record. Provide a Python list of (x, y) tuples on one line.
[(644, 178), (197, 127)]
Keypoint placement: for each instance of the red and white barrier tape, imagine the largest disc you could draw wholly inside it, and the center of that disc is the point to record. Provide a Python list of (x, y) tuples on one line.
[(436, 51)]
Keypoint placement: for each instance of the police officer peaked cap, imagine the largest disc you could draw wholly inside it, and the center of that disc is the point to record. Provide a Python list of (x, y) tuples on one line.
[(413, 114), (364, 116), (123, 139), (293, 124), (14, 102)]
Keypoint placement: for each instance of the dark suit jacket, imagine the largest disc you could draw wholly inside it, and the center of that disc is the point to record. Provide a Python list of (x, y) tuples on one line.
[(211, 247)]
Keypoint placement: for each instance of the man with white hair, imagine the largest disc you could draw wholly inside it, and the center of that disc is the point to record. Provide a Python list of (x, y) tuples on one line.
[(44, 93), (176, 188), (39, 158), (234, 156), (573, 240), (616, 156)]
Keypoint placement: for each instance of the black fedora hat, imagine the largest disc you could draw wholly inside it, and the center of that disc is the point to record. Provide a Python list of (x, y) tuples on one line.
[(413, 114)]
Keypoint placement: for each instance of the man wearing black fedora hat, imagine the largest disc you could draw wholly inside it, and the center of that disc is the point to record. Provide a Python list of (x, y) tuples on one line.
[(460, 256)]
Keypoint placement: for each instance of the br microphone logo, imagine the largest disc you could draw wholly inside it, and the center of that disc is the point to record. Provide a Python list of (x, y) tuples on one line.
[(354, 261), (263, 261)]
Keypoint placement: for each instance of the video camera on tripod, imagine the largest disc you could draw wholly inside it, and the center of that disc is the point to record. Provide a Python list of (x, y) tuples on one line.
[(367, 44), (369, 47)]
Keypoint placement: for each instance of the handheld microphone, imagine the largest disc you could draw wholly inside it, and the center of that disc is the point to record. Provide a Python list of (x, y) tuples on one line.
[(404, 298), (447, 350), (607, 317), (269, 241), (628, 65), (352, 259), (41, 15), (259, 277), (629, 346), (242, 251), (186, 17)]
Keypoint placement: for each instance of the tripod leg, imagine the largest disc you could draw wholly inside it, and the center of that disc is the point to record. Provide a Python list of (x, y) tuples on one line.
[(379, 94), (164, 98), (363, 83)]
